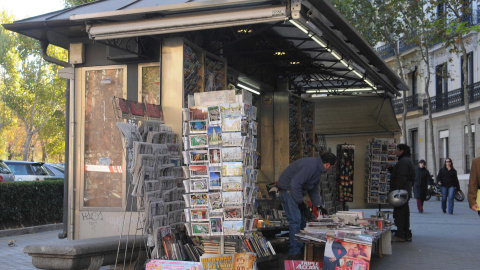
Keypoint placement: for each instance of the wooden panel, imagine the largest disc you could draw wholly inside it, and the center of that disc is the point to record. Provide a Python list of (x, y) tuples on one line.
[(266, 128), (172, 83), (281, 136)]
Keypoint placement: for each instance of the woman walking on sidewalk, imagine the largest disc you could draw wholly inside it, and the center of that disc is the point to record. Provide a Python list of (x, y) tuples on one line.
[(448, 180), (420, 186)]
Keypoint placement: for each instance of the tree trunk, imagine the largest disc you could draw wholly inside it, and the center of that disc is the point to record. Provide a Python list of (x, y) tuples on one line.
[(404, 97), (426, 57), (43, 143), (469, 142), (26, 145)]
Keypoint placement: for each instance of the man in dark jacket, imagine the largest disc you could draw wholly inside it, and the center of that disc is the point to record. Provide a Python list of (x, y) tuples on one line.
[(401, 177), (420, 187), (298, 179)]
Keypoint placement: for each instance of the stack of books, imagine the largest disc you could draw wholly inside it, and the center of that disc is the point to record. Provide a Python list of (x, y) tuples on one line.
[(211, 245)]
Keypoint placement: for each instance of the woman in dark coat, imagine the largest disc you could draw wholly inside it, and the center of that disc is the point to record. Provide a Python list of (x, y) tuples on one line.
[(448, 180), (420, 186)]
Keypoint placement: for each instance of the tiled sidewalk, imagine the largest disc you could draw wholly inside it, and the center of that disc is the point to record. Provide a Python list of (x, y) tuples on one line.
[(440, 241)]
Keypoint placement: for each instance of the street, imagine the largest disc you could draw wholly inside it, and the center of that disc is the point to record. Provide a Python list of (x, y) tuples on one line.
[(440, 241)]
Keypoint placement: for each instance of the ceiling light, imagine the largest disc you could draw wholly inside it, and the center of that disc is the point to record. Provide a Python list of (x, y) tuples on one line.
[(279, 53), (248, 88), (294, 63), (338, 90), (246, 31), (299, 26)]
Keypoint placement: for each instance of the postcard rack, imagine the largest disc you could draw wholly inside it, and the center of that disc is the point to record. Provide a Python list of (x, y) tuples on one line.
[(379, 153), (219, 146)]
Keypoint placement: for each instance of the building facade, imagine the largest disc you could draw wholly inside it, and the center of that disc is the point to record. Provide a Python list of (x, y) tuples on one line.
[(447, 97)]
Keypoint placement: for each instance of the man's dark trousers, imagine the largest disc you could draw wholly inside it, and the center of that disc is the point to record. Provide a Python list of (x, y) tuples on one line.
[(296, 221)]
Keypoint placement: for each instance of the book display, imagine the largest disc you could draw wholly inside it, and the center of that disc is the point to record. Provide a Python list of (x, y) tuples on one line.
[(345, 170), (380, 152)]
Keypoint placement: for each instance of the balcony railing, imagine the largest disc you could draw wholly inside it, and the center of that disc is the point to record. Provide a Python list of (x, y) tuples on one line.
[(452, 99), (412, 104), (387, 51)]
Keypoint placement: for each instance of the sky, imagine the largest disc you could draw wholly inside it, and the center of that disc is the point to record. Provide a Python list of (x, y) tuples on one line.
[(22, 9)]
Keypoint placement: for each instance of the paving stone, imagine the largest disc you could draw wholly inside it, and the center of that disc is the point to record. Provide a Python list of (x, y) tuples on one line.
[(440, 241)]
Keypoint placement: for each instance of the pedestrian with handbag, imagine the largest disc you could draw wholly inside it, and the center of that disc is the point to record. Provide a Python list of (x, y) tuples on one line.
[(448, 181)]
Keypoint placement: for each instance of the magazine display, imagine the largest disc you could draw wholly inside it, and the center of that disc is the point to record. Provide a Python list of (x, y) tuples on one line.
[(219, 151), (380, 152), (153, 163)]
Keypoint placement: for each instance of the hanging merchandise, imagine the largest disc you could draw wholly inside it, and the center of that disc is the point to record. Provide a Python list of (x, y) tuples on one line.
[(345, 171), (380, 152)]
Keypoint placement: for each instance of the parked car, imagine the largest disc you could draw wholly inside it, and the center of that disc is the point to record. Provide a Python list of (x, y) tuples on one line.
[(55, 170), (27, 170), (5, 174)]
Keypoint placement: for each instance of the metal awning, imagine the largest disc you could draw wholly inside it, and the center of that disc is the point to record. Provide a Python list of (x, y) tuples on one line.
[(306, 43)]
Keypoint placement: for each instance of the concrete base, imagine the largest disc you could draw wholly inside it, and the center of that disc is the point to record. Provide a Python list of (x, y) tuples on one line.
[(90, 253)]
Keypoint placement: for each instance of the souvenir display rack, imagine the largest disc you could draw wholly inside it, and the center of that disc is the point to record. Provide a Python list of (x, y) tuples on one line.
[(219, 153), (154, 167), (202, 71), (345, 171), (294, 124), (379, 153), (308, 112), (328, 190)]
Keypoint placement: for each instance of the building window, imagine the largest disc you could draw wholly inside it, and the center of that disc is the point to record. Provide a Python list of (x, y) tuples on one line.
[(469, 69), (466, 148), (443, 144), (413, 86), (440, 10), (414, 144), (441, 76)]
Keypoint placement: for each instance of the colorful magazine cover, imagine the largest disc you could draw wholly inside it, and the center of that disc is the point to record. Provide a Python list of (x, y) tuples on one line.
[(200, 228), (233, 213), (215, 156), (232, 139), (233, 227), (173, 265), (214, 115), (346, 255), (216, 226), (302, 265), (215, 181), (232, 184), (230, 154), (198, 141), (215, 262), (231, 124), (215, 200), (232, 198), (214, 135), (199, 126), (198, 156), (232, 168)]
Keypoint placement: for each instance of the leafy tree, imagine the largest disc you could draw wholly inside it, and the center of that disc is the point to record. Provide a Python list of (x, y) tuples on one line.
[(72, 3), (423, 28), (31, 88), (456, 17), (362, 14)]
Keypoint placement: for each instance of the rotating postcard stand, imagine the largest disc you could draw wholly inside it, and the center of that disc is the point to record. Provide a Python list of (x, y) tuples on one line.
[(219, 153), (379, 153)]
